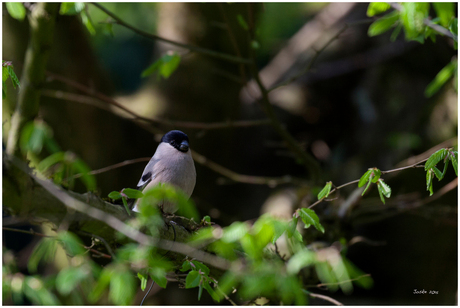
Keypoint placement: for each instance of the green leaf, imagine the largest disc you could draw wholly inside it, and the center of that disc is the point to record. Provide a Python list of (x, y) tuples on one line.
[(88, 179), (132, 193), (16, 10), (14, 78), (441, 78), (115, 195), (186, 266), (386, 190), (5, 73), (50, 161), (86, 20), (206, 219), (202, 235), (375, 8), (292, 226), (445, 11), (376, 176), (255, 44), (228, 281), (45, 250), (242, 22), (300, 260), (71, 8), (309, 217), (453, 28), (412, 17), (429, 181), (435, 158), (101, 285), (446, 164), (143, 279), (166, 65), (234, 232), (170, 64), (192, 280), (438, 173), (122, 287), (36, 291), (364, 178), (71, 243), (125, 204), (381, 194), (200, 266), (108, 29), (68, 279), (200, 291), (454, 159), (324, 193), (211, 291), (383, 24), (396, 32), (159, 276)]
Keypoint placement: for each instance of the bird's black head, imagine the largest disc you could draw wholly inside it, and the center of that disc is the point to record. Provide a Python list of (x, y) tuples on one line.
[(177, 139)]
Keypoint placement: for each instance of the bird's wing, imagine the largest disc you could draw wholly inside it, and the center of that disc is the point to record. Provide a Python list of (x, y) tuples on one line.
[(148, 175)]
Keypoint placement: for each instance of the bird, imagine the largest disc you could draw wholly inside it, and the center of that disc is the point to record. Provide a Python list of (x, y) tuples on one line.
[(172, 163)]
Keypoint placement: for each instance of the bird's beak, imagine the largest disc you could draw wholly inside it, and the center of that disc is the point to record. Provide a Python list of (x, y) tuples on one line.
[(184, 146)]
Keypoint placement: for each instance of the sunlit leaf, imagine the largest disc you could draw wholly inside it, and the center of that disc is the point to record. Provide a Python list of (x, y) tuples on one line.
[(234, 232), (115, 195), (364, 178), (45, 250), (143, 279), (16, 10), (324, 193), (445, 11), (133, 193), (211, 292), (86, 20), (383, 24), (159, 276), (300, 260), (454, 159), (122, 287), (71, 243), (429, 181), (377, 173), (435, 158), (71, 8), (375, 8), (441, 78), (309, 217), (69, 278)]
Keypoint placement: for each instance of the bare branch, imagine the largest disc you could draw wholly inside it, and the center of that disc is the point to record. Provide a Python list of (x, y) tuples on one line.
[(204, 51), (326, 298)]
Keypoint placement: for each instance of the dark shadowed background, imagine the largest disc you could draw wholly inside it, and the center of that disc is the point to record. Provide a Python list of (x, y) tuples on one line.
[(361, 106)]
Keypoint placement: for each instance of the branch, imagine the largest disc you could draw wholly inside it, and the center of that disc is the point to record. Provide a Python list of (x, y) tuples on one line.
[(40, 203), (416, 165), (204, 51), (326, 298), (82, 99), (271, 181), (41, 20)]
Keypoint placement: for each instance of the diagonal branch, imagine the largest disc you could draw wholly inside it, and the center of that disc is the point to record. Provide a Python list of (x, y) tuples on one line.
[(204, 51)]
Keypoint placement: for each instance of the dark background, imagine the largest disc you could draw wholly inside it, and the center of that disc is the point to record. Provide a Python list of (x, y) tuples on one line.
[(362, 106)]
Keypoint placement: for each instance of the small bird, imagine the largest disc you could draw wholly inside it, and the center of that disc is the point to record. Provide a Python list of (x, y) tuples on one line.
[(172, 163)]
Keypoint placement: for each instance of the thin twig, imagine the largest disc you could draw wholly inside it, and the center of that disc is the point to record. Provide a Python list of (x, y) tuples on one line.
[(326, 298), (201, 50), (78, 98), (114, 166), (416, 165)]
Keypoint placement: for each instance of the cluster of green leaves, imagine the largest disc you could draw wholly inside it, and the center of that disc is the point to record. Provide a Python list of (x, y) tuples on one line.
[(157, 195), (41, 290), (198, 277), (266, 274), (61, 166), (373, 176), (8, 72), (445, 155), (413, 18)]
